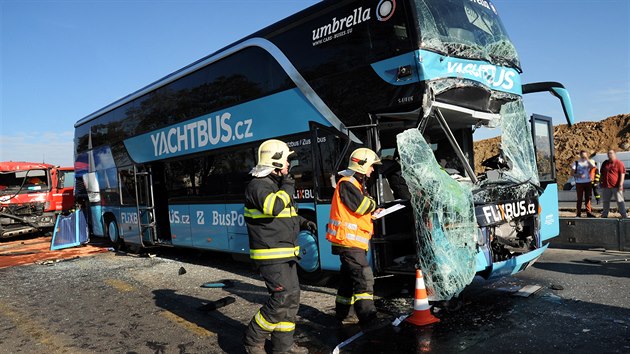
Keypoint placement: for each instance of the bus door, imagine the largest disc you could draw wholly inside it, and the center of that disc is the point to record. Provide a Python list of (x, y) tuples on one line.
[(542, 133), (145, 205), (160, 204)]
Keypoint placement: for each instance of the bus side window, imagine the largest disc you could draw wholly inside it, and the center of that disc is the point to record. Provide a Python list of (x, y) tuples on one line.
[(234, 170), (127, 187), (329, 148)]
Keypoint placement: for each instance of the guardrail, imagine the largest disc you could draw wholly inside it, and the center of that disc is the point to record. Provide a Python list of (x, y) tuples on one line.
[(611, 234), (571, 196)]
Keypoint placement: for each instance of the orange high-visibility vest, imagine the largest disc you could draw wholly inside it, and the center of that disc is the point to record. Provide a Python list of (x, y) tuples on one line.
[(345, 227)]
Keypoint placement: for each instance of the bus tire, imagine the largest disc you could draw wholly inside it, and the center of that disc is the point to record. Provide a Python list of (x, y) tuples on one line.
[(309, 268), (113, 234)]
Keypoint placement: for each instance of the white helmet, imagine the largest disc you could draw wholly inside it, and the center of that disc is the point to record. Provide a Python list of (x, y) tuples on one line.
[(361, 160), (273, 153)]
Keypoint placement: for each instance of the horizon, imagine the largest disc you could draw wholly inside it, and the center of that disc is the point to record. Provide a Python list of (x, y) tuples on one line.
[(90, 64)]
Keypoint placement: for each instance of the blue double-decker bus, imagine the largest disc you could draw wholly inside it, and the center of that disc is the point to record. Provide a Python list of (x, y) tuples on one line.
[(168, 164)]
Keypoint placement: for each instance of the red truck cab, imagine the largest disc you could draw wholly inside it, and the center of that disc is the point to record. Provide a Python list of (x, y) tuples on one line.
[(32, 195)]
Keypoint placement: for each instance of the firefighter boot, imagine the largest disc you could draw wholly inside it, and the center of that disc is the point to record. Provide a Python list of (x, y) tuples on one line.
[(295, 349), (256, 349)]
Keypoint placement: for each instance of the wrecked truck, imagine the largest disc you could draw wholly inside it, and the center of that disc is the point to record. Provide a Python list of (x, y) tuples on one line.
[(32, 195), (414, 80)]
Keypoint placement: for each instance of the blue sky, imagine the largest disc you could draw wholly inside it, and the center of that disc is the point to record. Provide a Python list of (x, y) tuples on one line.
[(62, 60)]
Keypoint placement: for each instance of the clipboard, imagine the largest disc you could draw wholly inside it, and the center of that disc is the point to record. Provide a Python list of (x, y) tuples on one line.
[(388, 211)]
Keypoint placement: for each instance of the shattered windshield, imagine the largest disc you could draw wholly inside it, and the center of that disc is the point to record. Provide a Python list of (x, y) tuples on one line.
[(444, 216), (444, 202), (23, 182), (468, 29)]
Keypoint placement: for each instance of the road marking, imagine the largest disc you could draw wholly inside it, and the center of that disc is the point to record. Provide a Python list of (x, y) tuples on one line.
[(34, 330), (200, 331), (119, 285)]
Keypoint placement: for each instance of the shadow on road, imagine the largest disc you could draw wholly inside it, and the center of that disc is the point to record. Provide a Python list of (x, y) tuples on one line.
[(229, 332), (615, 269)]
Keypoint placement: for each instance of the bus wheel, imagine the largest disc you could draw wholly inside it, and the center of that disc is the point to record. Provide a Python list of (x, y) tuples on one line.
[(114, 235), (309, 269)]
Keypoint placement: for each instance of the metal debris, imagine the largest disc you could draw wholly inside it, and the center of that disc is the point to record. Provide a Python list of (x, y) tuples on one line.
[(527, 290)]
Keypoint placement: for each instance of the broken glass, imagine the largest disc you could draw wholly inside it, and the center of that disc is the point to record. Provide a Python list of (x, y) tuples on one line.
[(517, 144), (446, 227), (465, 29), (520, 181), (70, 231)]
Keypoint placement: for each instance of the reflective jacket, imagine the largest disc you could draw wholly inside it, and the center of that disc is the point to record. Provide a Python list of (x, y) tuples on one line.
[(272, 220), (350, 222)]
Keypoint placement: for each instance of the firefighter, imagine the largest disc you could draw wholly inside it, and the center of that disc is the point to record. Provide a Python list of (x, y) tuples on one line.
[(273, 225), (349, 230), (594, 173)]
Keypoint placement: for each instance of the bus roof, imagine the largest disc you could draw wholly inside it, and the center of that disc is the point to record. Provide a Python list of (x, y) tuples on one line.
[(271, 29)]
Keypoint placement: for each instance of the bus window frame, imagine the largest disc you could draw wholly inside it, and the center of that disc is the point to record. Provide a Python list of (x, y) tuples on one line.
[(549, 123)]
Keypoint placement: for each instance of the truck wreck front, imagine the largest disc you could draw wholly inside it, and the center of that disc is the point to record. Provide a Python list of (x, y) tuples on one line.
[(486, 222), (32, 195)]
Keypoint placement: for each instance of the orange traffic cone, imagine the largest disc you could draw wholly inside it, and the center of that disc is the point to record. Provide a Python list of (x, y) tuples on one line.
[(421, 309)]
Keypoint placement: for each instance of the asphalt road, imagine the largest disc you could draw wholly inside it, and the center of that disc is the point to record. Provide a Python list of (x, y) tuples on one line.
[(120, 303)]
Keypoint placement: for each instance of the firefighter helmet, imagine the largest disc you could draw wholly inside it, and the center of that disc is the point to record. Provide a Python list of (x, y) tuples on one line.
[(273, 153), (361, 160)]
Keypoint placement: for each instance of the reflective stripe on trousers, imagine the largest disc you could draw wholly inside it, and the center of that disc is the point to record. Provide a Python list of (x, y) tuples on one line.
[(356, 297), (270, 327), (274, 253)]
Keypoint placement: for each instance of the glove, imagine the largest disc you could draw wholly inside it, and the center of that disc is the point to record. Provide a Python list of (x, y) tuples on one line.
[(288, 179), (309, 225)]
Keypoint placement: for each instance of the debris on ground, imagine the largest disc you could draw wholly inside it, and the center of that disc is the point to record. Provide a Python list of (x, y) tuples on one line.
[(556, 287), (607, 259), (527, 290), (181, 271), (219, 284), (213, 305)]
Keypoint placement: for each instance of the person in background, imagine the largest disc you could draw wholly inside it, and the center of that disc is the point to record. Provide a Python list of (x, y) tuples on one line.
[(581, 172), (612, 177), (595, 182)]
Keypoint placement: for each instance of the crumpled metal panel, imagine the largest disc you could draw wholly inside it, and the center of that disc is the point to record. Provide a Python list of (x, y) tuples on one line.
[(444, 216)]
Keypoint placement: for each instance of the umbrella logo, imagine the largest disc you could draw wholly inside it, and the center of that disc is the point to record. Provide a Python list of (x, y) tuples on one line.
[(385, 9)]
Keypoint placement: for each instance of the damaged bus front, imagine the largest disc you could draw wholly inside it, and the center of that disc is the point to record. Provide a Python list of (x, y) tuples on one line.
[(491, 221)]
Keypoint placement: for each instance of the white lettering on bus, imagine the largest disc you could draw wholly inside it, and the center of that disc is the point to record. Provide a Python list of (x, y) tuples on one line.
[(128, 218), (358, 15), (199, 134), (486, 72), (176, 218), (483, 3), (232, 218), (508, 211)]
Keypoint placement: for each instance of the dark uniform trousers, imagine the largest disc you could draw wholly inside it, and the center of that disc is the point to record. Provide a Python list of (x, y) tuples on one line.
[(356, 285), (278, 314)]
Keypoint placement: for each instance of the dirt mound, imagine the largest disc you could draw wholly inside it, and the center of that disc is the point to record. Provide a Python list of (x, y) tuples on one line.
[(594, 137)]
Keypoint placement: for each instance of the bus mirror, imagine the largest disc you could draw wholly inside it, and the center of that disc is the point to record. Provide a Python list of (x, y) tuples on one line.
[(556, 89)]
